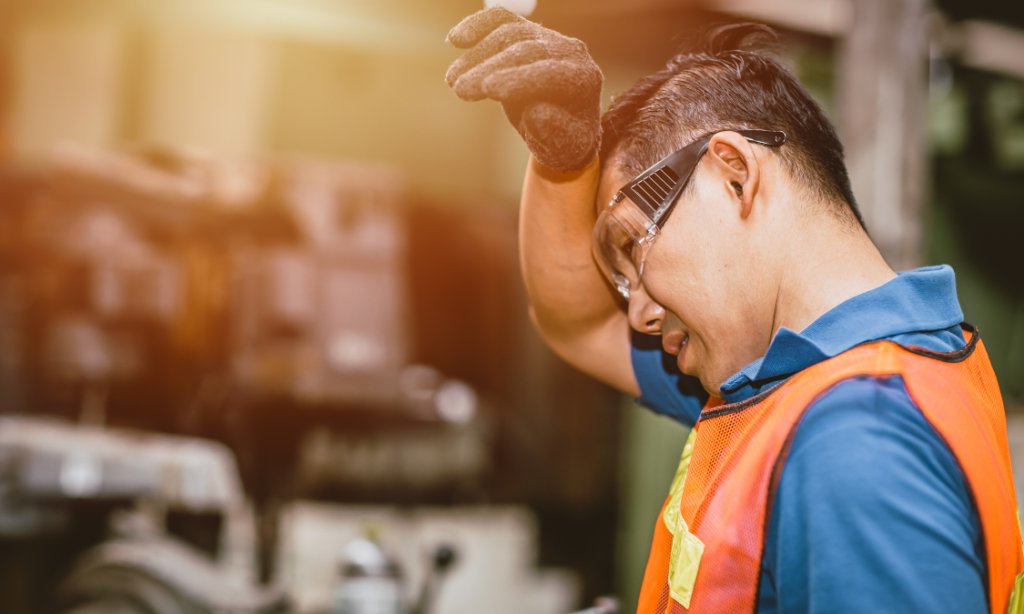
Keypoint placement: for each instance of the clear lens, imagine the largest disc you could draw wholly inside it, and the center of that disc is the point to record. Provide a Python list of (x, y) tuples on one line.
[(622, 237)]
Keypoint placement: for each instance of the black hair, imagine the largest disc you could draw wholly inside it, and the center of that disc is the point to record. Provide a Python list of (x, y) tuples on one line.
[(730, 83)]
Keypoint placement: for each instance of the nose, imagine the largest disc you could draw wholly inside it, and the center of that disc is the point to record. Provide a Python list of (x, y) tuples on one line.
[(645, 315)]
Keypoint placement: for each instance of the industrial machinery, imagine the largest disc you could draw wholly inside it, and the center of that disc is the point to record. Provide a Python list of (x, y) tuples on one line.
[(148, 485), (274, 332), (147, 293)]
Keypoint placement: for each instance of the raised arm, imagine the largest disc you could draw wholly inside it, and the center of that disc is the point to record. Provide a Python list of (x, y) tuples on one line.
[(570, 303), (550, 90)]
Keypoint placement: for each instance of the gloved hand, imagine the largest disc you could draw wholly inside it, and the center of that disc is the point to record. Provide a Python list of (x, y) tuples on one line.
[(547, 83)]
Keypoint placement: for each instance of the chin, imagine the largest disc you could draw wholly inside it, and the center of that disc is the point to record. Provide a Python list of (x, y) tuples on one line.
[(711, 388), (710, 382), (697, 366)]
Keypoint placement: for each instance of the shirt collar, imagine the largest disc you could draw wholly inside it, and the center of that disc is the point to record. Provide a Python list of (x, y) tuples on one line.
[(921, 300)]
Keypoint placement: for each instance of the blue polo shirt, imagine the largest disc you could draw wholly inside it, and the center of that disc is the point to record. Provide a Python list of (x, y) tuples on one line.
[(872, 513)]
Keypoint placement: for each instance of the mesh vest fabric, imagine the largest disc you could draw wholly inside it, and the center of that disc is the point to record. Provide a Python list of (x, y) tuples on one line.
[(724, 498)]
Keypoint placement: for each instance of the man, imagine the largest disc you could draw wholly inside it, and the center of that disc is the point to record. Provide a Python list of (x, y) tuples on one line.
[(850, 450)]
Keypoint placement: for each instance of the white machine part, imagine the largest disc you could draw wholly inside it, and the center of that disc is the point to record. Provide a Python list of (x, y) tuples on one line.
[(495, 572), (45, 459), (57, 459), (371, 583)]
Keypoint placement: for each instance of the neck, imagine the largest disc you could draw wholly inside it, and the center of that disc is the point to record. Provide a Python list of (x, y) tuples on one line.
[(826, 265)]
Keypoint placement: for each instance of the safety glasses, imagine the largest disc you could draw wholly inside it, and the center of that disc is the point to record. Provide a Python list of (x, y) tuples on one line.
[(627, 229)]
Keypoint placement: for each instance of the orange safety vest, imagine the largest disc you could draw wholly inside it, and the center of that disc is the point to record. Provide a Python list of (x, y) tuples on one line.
[(706, 555)]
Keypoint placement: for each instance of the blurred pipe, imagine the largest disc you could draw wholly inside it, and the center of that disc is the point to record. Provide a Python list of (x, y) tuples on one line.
[(991, 46), (882, 98)]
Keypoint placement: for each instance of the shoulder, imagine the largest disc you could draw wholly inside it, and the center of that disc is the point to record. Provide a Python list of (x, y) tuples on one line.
[(865, 442), (871, 494)]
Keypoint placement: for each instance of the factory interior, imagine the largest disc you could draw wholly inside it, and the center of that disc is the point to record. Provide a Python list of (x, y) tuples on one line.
[(261, 313)]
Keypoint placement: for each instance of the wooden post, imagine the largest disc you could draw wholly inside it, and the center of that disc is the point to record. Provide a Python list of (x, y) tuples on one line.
[(883, 85)]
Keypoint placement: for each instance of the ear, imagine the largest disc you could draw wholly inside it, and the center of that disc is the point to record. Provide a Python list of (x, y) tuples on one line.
[(733, 162)]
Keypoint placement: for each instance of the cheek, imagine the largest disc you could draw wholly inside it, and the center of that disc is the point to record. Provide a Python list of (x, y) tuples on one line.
[(665, 279), (678, 272), (689, 245), (678, 284), (688, 269)]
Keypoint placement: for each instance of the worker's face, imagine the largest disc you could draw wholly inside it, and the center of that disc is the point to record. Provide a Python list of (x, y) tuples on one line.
[(703, 288)]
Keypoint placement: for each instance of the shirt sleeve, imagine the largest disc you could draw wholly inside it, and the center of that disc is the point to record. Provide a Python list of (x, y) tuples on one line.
[(663, 388), (872, 513)]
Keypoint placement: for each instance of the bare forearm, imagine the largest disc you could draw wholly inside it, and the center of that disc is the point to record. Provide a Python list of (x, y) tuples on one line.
[(572, 307), (566, 290)]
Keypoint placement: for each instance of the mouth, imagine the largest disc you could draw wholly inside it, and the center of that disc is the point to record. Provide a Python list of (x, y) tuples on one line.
[(674, 342)]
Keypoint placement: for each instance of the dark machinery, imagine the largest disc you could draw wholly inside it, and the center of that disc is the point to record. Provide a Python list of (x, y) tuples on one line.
[(342, 343), (171, 293)]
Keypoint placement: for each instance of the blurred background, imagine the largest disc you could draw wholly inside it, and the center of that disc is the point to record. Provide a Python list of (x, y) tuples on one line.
[(263, 342)]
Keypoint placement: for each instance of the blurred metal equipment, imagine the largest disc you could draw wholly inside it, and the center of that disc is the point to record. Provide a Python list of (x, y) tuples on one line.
[(157, 575), (409, 458), (495, 569), (324, 321), (444, 556), (289, 272), (170, 290), (48, 460), (371, 582), (45, 465), (603, 605), (329, 332)]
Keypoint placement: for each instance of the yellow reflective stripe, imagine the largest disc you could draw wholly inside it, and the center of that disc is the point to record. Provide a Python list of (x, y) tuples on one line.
[(683, 564), (671, 514), (684, 560), (1017, 596)]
